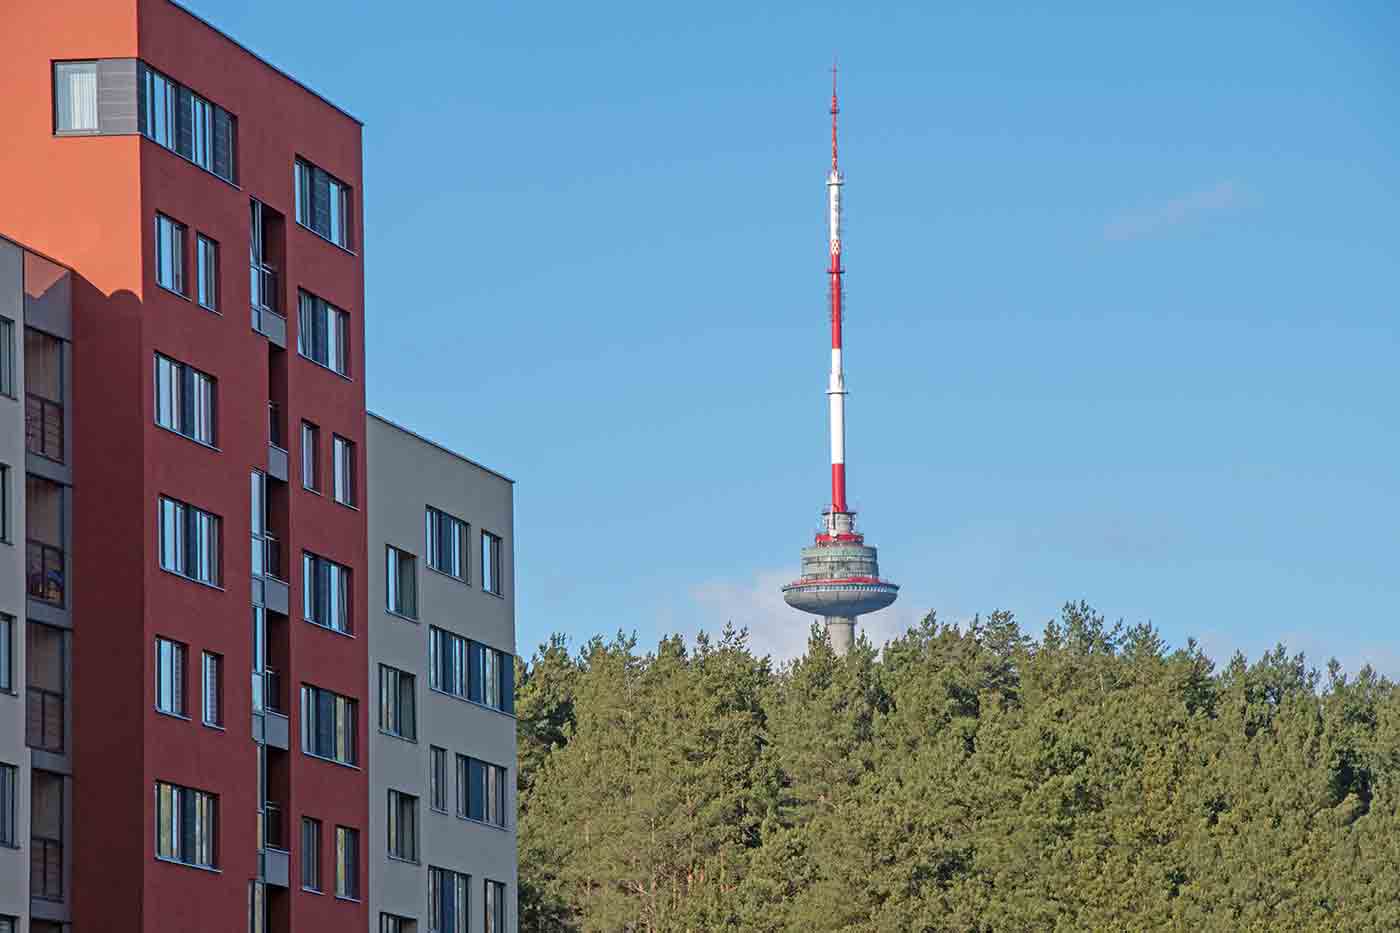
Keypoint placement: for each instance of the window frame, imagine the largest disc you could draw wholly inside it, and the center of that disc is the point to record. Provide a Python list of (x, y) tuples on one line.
[(8, 383), (311, 455), (402, 835), (189, 522), (9, 805), (206, 272), (400, 567), (172, 677), (316, 315), (344, 727), (184, 381), (311, 606), (343, 480), (347, 863), (311, 856), (307, 177), (211, 662), (459, 531), (178, 269), (395, 686), (491, 550), (437, 778), (89, 67), (7, 654), (181, 797)]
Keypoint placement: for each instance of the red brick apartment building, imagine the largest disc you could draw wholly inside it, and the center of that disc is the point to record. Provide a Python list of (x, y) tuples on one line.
[(208, 207)]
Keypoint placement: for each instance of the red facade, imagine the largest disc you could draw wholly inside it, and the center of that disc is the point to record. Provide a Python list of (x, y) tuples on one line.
[(91, 202)]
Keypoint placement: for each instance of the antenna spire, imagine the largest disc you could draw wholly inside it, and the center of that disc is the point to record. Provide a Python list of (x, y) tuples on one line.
[(835, 109)]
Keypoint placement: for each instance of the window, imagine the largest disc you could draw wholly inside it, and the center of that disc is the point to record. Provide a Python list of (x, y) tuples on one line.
[(177, 118), (185, 400), (447, 662), (491, 677), (9, 777), (323, 333), (447, 544), (347, 863), (44, 508), (323, 203), (7, 652), (343, 455), (207, 269), (310, 456), (170, 677), (437, 764), (75, 97), (310, 854), (264, 225), (170, 254), (213, 689), (403, 826), (397, 712), (7, 357), (45, 668), (328, 723), (491, 563), (447, 901), (388, 923), (325, 593), (43, 394), (481, 791), (495, 907), (46, 835), (186, 823), (189, 541), (401, 582)]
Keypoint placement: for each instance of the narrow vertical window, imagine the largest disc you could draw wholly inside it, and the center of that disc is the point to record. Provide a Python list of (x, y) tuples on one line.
[(491, 563), (6, 507), (347, 863), (170, 677), (343, 457), (495, 907), (310, 450), (310, 854), (437, 764), (170, 254), (398, 713), (403, 826), (208, 269), (201, 119), (7, 357), (401, 582), (213, 689), (75, 97), (7, 652), (8, 778)]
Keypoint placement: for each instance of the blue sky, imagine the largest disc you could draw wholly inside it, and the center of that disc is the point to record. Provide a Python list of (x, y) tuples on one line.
[(1122, 288)]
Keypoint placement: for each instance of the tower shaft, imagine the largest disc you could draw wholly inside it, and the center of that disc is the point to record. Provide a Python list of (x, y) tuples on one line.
[(836, 385)]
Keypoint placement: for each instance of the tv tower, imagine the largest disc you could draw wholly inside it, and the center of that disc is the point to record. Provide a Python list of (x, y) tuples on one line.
[(840, 573)]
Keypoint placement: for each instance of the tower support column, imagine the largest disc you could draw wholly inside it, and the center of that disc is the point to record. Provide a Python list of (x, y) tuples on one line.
[(841, 630)]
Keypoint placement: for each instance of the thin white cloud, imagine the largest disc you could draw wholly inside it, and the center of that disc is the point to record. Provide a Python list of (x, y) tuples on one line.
[(1173, 212)]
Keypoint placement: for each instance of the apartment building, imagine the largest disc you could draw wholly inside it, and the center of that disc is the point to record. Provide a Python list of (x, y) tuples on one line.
[(442, 854), (194, 624), (36, 477)]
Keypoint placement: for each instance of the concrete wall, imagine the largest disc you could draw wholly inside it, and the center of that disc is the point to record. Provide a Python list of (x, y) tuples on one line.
[(14, 863), (406, 474)]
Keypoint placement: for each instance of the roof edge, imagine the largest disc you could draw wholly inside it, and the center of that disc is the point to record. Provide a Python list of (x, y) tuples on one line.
[(301, 84), (432, 443)]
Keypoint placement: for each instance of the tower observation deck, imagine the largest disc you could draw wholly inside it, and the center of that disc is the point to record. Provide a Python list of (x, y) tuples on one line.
[(840, 578)]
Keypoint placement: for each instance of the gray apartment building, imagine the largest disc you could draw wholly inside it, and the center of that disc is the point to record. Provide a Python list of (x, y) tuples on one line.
[(35, 621), (442, 850)]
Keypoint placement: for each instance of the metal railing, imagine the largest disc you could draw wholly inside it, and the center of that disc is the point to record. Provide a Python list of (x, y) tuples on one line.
[(272, 837), (43, 727), (43, 426), (267, 557), (274, 425), (46, 868), (44, 568)]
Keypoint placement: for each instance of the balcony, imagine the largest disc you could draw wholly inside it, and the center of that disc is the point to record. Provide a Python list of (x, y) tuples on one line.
[(277, 458), (266, 318), (43, 426), (46, 868), (276, 867), (45, 571), (44, 720), (270, 588)]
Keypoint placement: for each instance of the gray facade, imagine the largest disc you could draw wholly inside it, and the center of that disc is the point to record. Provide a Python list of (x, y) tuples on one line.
[(35, 720), (417, 494)]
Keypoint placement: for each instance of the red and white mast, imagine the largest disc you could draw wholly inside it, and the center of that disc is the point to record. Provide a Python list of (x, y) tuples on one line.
[(836, 386)]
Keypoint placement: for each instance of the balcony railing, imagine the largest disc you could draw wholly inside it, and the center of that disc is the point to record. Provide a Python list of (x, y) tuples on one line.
[(267, 557), (43, 727), (46, 868), (272, 837), (43, 426), (274, 425), (45, 571)]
